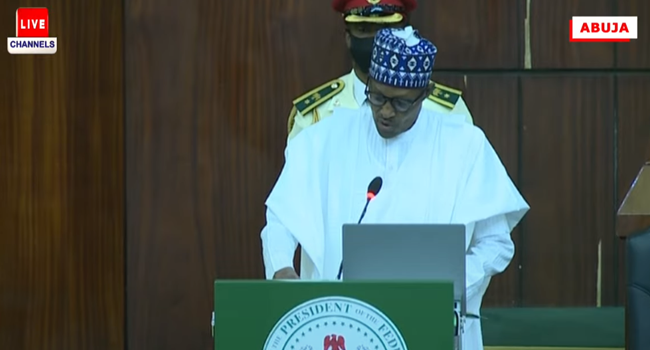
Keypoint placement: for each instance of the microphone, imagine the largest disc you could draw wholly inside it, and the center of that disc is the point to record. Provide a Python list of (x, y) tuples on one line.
[(373, 189)]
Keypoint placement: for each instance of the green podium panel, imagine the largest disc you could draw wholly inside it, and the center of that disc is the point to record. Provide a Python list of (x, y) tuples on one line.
[(300, 315)]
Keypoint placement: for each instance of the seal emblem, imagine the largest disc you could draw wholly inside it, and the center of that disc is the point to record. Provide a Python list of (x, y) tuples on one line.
[(334, 323)]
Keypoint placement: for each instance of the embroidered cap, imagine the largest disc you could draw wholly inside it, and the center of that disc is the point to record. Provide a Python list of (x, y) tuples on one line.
[(402, 58)]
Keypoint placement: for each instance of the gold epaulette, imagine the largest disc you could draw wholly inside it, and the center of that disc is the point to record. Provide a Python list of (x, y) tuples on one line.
[(292, 119), (445, 95), (307, 102)]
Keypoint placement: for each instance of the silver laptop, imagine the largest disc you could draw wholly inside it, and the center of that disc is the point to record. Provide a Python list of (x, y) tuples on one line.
[(406, 252)]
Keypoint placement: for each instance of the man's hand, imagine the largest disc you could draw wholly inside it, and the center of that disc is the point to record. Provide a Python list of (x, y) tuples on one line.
[(287, 273)]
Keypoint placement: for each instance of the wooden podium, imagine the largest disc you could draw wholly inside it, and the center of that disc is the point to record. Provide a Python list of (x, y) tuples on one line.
[(633, 225)]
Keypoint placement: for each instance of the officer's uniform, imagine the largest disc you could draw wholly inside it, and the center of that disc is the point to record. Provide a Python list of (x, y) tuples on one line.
[(349, 92)]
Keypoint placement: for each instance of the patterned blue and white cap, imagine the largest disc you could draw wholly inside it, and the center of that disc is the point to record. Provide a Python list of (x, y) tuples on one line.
[(402, 58)]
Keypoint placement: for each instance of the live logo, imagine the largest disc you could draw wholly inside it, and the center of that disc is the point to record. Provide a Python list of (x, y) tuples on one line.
[(32, 33), (32, 22)]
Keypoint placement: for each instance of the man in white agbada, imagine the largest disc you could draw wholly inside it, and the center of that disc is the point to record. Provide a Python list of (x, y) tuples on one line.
[(435, 169)]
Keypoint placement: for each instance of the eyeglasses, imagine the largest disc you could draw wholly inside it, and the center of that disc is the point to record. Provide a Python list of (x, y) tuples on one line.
[(399, 104)]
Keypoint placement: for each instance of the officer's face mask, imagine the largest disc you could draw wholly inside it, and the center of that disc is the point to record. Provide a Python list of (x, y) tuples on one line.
[(361, 51)]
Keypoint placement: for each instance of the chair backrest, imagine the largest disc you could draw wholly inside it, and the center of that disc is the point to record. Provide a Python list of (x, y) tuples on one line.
[(638, 291)]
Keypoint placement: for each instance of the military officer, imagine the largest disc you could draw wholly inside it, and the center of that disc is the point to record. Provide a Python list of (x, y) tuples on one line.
[(363, 18)]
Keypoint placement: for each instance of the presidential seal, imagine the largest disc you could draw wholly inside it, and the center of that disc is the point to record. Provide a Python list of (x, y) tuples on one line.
[(334, 323)]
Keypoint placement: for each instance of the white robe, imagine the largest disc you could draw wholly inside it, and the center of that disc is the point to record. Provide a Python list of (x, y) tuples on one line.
[(442, 170)]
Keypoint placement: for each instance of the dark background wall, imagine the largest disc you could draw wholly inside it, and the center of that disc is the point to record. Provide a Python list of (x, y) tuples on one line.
[(131, 186), (62, 182)]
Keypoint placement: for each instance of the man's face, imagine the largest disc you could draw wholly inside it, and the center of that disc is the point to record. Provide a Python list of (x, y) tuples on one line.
[(394, 110)]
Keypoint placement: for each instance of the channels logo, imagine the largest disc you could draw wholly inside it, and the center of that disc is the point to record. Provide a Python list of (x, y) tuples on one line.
[(32, 33)]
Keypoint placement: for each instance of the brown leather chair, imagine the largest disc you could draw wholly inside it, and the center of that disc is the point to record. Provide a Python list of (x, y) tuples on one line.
[(638, 291)]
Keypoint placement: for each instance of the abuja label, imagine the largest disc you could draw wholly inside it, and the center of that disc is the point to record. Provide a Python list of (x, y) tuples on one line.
[(334, 323)]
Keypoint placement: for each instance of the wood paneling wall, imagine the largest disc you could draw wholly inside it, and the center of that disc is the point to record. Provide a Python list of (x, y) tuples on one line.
[(207, 101), (567, 176), (61, 182), (206, 90), (636, 54), (473, 35), (633, 131), (549, 35), (209, 88)]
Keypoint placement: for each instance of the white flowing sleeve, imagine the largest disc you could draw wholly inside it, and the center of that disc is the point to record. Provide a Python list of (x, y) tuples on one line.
[(490, 251), (278, 245), (294, 213), (491, 201), (488, 190)]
